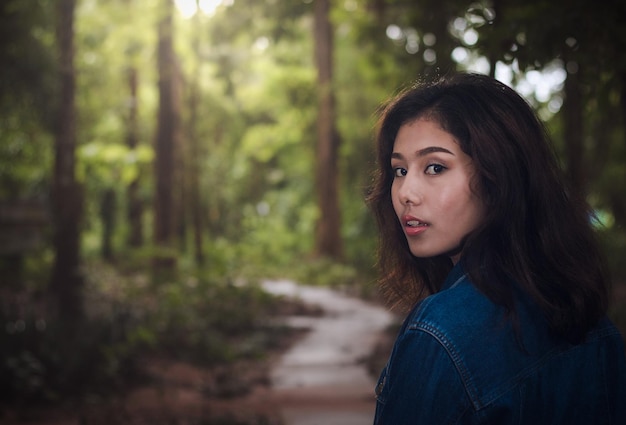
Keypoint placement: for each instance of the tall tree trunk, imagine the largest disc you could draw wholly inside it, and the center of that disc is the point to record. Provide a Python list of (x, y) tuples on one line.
[(181, 153), (165, 223), (66, 281), (378, 8), (328, 231), (194, 146), (194, 180), (494, 51), (573, 125), (134, 203)]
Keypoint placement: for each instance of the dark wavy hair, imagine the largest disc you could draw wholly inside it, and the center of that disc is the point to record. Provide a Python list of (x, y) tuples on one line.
[(537, 232)]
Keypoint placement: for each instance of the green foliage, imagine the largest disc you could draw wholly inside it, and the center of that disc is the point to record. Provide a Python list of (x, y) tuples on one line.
[(209, 323), (48, 361), (324, 272), (25, 158), (27, 57), (251, 66), (192, 317), (27, 95), (112, 163)]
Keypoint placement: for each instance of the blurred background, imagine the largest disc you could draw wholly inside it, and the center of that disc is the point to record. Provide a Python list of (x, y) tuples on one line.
[(158, 158)]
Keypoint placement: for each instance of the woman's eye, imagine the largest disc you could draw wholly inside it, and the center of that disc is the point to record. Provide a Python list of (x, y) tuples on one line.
[(399, 172), (434, 169)]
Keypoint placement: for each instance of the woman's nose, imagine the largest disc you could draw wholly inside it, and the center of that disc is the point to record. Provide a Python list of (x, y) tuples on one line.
[(409, 192)]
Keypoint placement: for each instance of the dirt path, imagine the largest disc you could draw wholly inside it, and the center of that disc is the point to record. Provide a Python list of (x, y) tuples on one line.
[(323, 378)]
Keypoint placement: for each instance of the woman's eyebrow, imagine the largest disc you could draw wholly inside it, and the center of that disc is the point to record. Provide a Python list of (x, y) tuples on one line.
[(423, 152), (432, 149)]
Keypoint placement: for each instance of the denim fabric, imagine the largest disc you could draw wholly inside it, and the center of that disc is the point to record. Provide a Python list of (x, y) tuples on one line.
[(458, 360)]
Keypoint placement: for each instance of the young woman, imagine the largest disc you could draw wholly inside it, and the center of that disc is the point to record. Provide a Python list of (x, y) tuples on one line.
[(496, 260)]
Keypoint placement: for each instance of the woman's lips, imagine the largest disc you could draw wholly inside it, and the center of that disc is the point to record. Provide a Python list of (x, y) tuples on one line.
[(413, 226)]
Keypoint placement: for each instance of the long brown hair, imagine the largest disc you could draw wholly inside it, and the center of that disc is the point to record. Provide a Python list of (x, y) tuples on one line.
[(537, 231)]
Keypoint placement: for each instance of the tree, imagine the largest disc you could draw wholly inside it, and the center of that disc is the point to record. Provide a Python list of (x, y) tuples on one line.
[(328, 231), (66, 281), (135, 204), (587, 41), (167, 133), (194, 156)]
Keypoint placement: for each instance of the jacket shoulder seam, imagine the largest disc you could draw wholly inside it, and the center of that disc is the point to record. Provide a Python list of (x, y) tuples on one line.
[(454, 356)]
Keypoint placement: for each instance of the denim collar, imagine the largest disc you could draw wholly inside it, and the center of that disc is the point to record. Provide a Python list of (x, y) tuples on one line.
[(454, 276)]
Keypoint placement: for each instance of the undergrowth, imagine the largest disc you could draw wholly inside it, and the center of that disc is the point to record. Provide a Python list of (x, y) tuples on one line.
[(192, 317)]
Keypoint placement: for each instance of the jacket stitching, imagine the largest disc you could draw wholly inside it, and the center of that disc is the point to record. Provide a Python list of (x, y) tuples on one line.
[(454, 356)]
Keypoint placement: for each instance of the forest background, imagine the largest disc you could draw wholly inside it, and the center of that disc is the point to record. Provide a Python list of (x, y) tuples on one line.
[(158, 158)]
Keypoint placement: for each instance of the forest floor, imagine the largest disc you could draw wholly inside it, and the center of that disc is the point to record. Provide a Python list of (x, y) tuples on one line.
[(278, 389)]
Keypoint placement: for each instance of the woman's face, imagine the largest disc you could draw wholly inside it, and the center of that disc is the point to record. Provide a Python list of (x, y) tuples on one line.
[(431, 191)]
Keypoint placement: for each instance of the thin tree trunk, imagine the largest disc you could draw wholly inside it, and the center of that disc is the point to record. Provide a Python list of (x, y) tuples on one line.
[(194, 147), (180, 174), (493, 51), (328, 232), (165, 226), (194, 183), (135, 205), (574, 148), (67, 199), (378, 8)]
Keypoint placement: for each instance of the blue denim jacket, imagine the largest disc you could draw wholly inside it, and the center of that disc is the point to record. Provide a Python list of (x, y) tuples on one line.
[(457, 360)]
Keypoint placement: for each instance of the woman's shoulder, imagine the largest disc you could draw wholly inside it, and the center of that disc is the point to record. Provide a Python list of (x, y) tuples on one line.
[(489, 353), (475, 333), (456, 310)]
